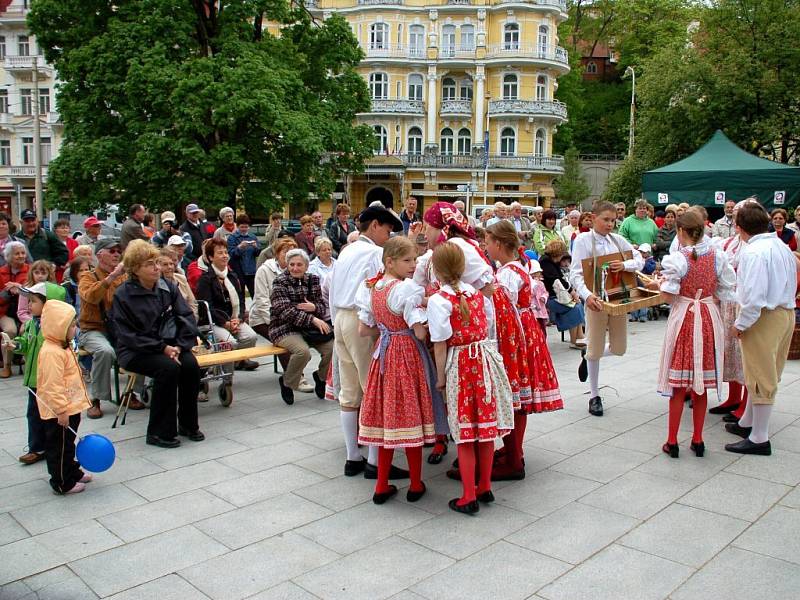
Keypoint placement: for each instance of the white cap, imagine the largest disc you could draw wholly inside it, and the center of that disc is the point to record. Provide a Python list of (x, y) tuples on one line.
[(645, 248), (37, 288), (176, 240), (534, 266)]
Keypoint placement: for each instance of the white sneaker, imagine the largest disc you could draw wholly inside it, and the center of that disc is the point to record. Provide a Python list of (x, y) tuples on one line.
[(305, 386), (581, 341)]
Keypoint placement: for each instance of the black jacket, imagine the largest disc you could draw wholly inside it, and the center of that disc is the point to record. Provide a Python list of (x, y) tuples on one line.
[(550, 272), (338, 235), (137, 314), (198, 235), (212, 291)]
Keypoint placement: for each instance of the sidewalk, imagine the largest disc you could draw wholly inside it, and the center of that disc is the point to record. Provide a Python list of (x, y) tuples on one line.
[(261, 509)]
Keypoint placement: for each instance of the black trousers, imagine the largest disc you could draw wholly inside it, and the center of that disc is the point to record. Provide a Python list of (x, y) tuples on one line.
[(59, 452), (175, 389), (36, 435)]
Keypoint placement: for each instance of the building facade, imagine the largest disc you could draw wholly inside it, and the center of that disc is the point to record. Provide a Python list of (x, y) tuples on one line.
[(462, 94), (18, 51)]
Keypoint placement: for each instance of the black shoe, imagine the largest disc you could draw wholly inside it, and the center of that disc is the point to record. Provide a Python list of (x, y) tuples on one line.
[(354, 467), (154, 440), (699, 448), (246, 365), (737, 429), (596, 406), (371, 472), (671, 449), (319, 386), (730, 418), (747, 447), (434, 458), (470, 508), (286, 392), (414, 496), (453, 474), (197, 436), (486, 497), (723, 410), (383, 497), (583, 368)]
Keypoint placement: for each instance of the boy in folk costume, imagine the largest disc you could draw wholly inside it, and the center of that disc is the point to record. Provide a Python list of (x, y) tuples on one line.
[(357, 262), (766, 287), (692, 357), (599, 242)]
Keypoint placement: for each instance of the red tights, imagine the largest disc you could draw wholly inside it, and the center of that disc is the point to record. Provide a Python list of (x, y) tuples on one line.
[(467, 460), (440, 447), (740, 411), (414, 459), (699, 403), (734, 394), (512, 445)]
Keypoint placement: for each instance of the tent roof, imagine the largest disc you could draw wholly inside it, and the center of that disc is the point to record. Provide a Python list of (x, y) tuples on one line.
[(721, 154)]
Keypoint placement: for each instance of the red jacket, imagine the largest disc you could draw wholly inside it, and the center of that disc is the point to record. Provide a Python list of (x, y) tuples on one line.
[(6, 298)]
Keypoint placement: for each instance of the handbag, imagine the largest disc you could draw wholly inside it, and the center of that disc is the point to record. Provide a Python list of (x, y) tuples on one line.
[(313, 336), (562, 295)]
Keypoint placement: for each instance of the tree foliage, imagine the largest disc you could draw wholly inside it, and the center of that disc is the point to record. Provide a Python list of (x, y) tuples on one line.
[(572, 186), (166, 101)]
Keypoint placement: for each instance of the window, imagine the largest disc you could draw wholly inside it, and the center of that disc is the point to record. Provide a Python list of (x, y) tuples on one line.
[(591, 67), (379, 86), (379, 36), (544, 39), (465, 89), (446, 145), (44, 101), (25, 101), (416, 40), (508, 142), (2, 47), (464, 141), (23, 46), (3, 101), (448, 40), (381, 140), (510, 86), (540, 148), (27, 151), (511, 36), (46, 151), (415, 140), (448, 88), (541, 87), (467, 38), (5, 153), (415, 87)]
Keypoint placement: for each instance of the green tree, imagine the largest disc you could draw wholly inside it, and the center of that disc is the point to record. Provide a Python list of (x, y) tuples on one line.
[(572, 185), (165, 101)]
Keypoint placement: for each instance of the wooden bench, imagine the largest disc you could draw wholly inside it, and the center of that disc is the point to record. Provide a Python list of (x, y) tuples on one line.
[(211, 359)]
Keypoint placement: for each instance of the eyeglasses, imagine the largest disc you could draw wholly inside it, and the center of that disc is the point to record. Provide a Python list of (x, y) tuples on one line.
[(114, 251)]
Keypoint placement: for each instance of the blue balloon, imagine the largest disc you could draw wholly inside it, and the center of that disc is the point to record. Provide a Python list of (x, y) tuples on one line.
[(95, 453)]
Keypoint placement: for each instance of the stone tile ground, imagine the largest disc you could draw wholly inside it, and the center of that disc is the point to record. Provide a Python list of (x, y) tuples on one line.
[(261, 509)]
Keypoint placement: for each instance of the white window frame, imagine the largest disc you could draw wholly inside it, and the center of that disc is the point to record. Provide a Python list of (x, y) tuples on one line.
[(379, 85), (446, 141), (465, 88), (379, 36), (448, 44), (382, 139), (467, 37), (511, 36), (541, 87), (3, 101), (464, 146), (5, 153), (23, 45), (540, 142), (416, 86), (510, 88), (26, 101), (543, 39), (416, 40), (508, 143), (449, 89), (415, 140)]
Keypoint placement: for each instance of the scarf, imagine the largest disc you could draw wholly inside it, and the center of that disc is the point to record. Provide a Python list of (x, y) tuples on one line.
[(233, 295), (445, 216)]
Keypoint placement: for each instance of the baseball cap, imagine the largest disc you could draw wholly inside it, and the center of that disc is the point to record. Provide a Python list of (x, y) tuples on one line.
[(176, 240), (192, 208), (27, 214), (91, 222), (37, 288), (645, 248), (105, 244), (168, 215)]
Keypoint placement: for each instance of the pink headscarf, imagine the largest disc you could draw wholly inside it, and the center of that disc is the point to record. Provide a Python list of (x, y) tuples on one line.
[(445, 216)]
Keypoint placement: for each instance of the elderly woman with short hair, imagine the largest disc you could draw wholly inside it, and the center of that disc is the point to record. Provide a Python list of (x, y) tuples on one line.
[(13, 275), (155, 333), (297, 324)]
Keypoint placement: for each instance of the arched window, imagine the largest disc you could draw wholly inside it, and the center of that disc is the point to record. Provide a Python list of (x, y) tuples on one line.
[(446, 141), (591, 68), (416, 40), (448, 88), (540, 147), (544, 39), (379, 36), (464, 141), (465, 88), (541, 87), (379, 86), (415, 140), (508, 142), (381, 140), (415, 86), (448, 40), (510, 86), (511, 36), (467, 38)]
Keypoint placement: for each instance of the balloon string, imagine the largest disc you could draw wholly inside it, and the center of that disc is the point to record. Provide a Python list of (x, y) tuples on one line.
[(47, 404)]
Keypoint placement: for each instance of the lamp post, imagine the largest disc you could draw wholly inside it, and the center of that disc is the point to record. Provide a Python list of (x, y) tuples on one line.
[(631, 127), (37, 144)]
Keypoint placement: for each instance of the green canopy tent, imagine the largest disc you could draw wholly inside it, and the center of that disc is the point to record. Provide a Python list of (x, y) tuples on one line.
[(721, 170)]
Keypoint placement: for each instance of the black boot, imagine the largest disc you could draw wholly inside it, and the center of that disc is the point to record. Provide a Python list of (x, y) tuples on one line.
[(286, 392)]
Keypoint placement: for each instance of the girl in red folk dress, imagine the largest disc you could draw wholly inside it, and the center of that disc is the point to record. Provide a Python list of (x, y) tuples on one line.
[(694, 279), (515, 280), (396, 411), (470, 370)]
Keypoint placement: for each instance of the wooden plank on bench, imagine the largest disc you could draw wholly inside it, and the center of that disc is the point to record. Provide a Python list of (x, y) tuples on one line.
[(229, 356)]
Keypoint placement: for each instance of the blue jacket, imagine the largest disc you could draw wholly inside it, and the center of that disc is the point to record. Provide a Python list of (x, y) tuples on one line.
[(243, 260)]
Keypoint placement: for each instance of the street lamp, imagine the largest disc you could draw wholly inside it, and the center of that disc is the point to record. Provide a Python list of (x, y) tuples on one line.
[(629, 71)]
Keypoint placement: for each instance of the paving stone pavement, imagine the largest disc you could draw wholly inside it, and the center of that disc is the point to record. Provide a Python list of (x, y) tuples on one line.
[(261, 509)]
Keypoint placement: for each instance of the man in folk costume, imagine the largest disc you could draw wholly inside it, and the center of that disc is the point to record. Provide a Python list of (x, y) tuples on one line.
[(357, 262), (766, 287)]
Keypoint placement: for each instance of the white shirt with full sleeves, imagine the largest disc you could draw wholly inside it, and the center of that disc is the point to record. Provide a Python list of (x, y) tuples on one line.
[(440, 309), (582, 248), (676, 244), (675, 266), (511, 280), (405, 299), (358, 261), (766, 278)]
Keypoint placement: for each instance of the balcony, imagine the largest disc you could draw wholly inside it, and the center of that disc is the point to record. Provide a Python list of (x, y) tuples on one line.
[(528, 108), (379, 2), (397, 106), (555, 54), (559, 4), (446, 52), (459, 2), (542, 164), (53, 118), (456, 108), (21, 171), (22, 66), (394, 51)]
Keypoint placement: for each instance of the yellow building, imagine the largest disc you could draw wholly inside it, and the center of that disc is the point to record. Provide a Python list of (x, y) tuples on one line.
[(444, 74)]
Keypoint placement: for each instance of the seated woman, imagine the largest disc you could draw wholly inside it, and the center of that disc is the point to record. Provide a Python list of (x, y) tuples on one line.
[(221, 289), (155, 332), (13, 275), (564, 315), (168, 260), (322, 265), (297, 324)]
